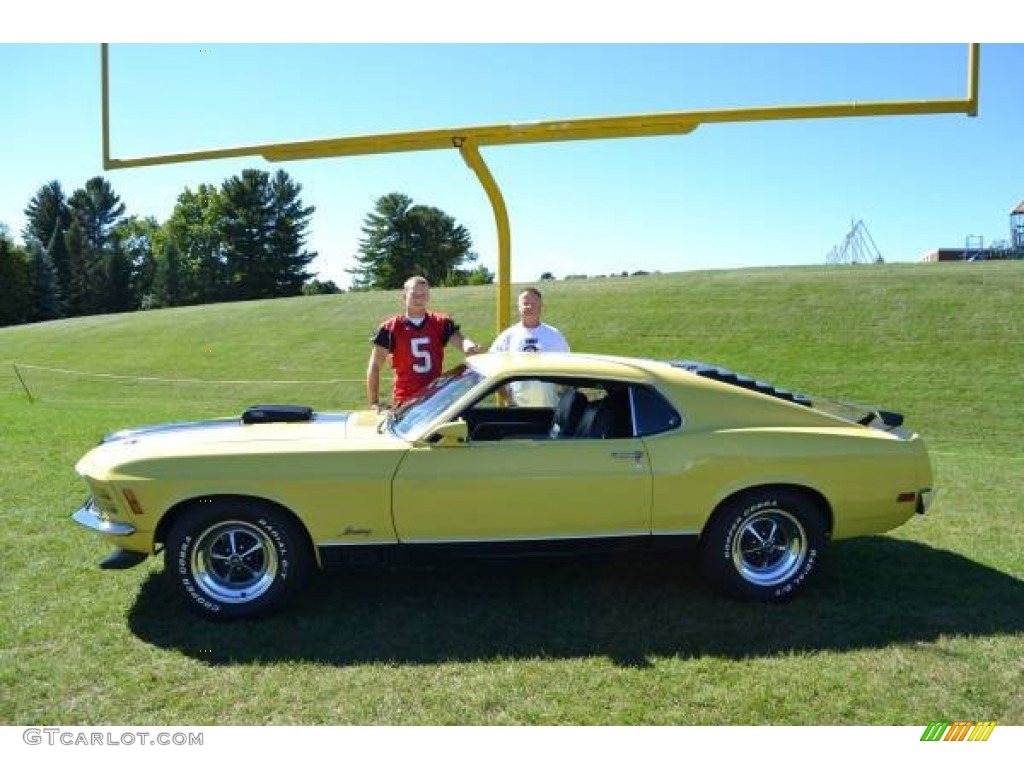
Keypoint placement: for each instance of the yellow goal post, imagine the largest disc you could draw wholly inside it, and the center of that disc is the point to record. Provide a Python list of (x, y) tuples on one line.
[(468, 141)]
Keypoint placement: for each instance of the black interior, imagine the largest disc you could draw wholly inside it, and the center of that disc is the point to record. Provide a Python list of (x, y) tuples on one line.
[(575, 416), (488, 424)]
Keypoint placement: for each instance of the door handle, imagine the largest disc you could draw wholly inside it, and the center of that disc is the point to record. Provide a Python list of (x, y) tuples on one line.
[(634, 455)]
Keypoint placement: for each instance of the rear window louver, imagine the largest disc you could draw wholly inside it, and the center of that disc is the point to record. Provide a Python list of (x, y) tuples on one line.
[(726, 376)]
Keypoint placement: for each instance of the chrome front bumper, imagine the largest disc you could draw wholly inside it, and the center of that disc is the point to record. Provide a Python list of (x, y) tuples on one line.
[(92, 518)]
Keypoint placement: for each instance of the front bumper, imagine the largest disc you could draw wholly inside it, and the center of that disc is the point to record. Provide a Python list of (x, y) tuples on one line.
[(91, 517)]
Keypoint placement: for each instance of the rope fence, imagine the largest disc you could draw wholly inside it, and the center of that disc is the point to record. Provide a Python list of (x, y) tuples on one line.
[(43, 383)]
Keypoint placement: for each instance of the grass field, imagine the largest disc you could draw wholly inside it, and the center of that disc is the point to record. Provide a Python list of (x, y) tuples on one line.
[(926, 623)]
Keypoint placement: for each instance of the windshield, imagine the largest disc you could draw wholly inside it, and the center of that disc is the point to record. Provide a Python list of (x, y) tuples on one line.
[(413, 417)]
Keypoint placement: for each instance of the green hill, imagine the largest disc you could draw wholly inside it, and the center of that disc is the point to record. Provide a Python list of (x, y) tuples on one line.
[(940, 342)]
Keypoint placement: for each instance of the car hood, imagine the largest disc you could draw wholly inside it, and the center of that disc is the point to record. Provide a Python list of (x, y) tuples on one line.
[(200, 440), (234, 429)]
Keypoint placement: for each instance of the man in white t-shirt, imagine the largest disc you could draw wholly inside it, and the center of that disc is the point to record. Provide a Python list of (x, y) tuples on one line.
[(531, 335)]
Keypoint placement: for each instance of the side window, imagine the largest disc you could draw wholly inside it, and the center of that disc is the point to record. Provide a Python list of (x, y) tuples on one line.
[(556, 408), (520, 409), (532, 393), (652, 413)]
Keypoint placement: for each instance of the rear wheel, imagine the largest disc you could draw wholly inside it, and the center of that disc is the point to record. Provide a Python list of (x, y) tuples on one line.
[(763, 545), (236, 558)]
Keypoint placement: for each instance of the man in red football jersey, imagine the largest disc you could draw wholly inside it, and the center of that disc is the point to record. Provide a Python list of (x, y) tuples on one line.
[(415, 341)]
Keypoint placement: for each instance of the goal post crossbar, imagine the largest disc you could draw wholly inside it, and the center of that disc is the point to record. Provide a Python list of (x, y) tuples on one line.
[(469, 139)]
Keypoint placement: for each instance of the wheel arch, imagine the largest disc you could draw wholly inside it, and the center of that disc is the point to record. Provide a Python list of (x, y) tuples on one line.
[(173, 514), (816, 497)]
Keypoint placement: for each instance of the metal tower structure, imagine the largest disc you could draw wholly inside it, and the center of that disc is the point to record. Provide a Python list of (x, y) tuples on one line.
[(858, 247), (974, 248), (1017, 228)]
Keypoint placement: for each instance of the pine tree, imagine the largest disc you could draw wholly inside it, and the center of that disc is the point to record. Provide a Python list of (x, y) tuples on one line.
[(289, 221), (57, 249), (46, 213), (48, 216), (117, 279), (384, 256), (262, 225), (403, 239), (97, 209), (244, 229), (15, 277), (82, 296), (167, 278), (44, 290)]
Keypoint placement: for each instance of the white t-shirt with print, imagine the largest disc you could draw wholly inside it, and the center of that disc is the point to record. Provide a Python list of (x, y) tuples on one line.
[(519, 338), (543, 338)]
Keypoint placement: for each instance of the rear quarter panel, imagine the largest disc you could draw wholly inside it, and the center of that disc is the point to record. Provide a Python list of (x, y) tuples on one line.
[(732, 440)]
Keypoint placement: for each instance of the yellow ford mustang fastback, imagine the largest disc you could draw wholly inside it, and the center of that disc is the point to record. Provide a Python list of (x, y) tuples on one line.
[(509, 454)]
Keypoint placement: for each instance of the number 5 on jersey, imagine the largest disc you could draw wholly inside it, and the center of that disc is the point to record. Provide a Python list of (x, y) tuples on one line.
[(421, 354)]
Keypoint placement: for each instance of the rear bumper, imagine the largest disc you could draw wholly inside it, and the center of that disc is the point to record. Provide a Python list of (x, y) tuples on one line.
[(925, 499), (90, 516)]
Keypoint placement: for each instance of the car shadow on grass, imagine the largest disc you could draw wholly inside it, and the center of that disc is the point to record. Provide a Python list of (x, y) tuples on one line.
[(870, 593)]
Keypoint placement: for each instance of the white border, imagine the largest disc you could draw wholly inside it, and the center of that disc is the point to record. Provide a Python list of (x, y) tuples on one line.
[(510, 747), (522, 21)]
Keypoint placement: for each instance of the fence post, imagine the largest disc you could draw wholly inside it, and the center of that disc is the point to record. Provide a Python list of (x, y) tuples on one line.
[(23, 384)]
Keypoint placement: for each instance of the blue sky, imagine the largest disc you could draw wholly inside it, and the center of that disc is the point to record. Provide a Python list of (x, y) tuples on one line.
[(755, 194)]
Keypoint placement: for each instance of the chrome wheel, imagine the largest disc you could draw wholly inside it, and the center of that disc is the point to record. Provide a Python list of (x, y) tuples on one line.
[(234, 561), (769, 548), (236, 558)]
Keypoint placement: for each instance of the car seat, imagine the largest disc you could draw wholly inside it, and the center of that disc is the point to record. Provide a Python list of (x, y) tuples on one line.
[(598, 420), (571, 406)]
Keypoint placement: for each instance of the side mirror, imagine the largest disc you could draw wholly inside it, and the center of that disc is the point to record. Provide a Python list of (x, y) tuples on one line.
[(452, 433)]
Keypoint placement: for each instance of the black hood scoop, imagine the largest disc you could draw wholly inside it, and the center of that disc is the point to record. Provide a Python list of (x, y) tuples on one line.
[(274, 414)]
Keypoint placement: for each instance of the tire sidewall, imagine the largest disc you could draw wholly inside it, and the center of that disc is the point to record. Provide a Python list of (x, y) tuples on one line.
[(198, 521)]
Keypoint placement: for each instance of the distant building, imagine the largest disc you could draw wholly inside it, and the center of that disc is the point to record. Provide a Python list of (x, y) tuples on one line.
[(1017, 227), (975, 250), (946, 254)]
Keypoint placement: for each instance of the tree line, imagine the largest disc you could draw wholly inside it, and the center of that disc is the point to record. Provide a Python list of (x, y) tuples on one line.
[(246, 239), (82, 256)]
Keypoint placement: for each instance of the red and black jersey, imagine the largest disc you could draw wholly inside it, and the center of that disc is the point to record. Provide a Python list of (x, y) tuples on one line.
[(417, 351)]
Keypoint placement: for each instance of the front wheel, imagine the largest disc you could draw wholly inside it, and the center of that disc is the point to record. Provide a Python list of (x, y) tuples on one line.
[(235, 558), (763, 545)]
